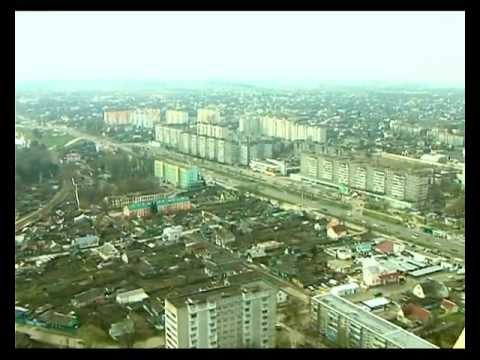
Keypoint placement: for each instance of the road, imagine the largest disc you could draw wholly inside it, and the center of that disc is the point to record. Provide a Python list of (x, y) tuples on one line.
[(285, 285), (60, 196), (281, 189)]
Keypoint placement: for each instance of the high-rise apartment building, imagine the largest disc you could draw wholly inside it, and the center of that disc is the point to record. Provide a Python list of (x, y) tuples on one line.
[(145, 118), (347, 325), (394, 179), (181, 176), (116, 118), (287, 129), (176, 117), (208, 115), (233, 316), (142, 118)]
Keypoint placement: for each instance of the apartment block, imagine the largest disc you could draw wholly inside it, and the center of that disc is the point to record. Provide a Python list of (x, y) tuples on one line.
[(211, 149), (176, 117), (202, 146), (220, 151), (393, 179), (232, 316), (178, 175), (208, 115), (347, 325), (232, 153)]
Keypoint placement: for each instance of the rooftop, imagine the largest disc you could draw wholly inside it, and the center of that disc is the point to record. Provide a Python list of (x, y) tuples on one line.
[(216, 293), (380, 326)]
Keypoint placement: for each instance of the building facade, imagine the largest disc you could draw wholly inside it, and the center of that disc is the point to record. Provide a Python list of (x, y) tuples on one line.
[(347, 325), (391, 179), (208, 115), (176, 117), (178, 175), (235, 316)]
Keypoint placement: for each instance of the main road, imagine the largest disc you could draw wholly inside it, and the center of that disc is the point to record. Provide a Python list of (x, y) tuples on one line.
[(287, 191)]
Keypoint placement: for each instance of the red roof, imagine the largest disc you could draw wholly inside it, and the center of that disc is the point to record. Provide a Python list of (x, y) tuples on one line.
[(339, 229), (448, 304), (385, 247), (415, 312)]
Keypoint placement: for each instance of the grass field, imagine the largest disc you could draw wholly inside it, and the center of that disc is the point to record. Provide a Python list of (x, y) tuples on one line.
[(381, 216)]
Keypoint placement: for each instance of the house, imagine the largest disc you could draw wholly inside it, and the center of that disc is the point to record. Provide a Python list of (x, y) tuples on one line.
[(413, 313), (375, 273), (389, 247), (345, 289), (72, 158), (122, 328), (132, 296), (82, 218), (86, 242), (431, 289), (336, 232), (172, 233), (132, 256), (224, 237), (340, 266), (107, 252), (448, 306), (196, 248), (91, 296), (57, 320)]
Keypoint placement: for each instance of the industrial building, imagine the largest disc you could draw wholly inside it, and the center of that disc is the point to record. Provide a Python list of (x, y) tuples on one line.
[(348, 325), (232, 316), (185, 177)]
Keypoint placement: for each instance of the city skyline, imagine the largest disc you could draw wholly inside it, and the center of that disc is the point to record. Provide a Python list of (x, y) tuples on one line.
[(296, 47)]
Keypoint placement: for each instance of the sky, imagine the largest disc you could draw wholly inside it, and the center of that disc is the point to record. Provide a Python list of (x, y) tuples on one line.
[(426, 47)]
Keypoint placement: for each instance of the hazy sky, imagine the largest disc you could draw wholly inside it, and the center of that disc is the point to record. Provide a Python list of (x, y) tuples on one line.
[(404, 46)]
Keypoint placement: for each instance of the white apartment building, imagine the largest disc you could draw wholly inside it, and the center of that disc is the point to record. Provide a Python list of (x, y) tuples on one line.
[(395, 180), (348, 325), (234, 316), (176, 117), (289, 129), (208, 115)]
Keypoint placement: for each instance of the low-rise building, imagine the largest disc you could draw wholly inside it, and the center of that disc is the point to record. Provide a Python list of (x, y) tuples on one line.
[(122, 328), (107, 252), (140, 209), (133, 296), (86, 242), (172, 233), (337, 232), (91, 296)]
